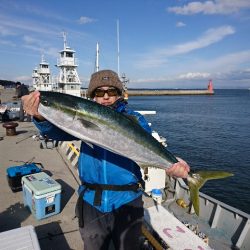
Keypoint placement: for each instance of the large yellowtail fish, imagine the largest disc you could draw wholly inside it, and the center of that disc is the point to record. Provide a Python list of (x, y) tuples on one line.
[(102, 126)]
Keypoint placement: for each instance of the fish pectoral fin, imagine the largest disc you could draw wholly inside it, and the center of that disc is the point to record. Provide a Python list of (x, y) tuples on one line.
[(89, 144), (197, 180), (132, 118), (88, 124)]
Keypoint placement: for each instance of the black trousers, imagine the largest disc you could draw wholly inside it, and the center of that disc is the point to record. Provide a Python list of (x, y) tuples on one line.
[(121, 227)]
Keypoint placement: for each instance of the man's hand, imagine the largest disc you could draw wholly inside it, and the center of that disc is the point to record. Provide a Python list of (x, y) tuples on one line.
[(31, 103), (179, 169)]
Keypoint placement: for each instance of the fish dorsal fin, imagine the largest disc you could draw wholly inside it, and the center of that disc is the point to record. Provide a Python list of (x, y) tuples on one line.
[(88, 124)]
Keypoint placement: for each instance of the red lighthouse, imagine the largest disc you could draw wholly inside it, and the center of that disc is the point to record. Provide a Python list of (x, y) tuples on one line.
[(210, 87)]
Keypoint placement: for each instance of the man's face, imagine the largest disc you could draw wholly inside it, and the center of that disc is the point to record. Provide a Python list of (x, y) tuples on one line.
[(106, 95)]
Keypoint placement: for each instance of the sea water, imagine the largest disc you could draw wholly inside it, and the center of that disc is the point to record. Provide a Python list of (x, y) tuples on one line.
[(210, 133)]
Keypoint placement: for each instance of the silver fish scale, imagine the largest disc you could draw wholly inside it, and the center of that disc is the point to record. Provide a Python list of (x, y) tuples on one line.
[(118, 135)]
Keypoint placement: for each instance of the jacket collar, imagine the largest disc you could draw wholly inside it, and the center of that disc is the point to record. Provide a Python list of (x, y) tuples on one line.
[(119, 105)]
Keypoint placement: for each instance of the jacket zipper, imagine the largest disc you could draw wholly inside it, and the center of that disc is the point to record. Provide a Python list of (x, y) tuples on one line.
[(105, 179)]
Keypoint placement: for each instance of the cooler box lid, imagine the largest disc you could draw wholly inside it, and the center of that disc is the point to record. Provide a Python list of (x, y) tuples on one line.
[(40, 183), (23, 170)]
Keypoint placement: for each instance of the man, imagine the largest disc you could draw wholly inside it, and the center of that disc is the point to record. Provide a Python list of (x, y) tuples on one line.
[(110, 206), (22, 90)]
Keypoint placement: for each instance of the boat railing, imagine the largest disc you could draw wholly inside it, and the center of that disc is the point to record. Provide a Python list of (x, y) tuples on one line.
[(219, 216)]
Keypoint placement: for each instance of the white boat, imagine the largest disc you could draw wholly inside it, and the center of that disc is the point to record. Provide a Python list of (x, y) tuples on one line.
[(169, 224), (172, 224)]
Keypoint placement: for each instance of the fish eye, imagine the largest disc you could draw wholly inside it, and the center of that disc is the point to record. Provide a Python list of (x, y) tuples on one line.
[(196, 176), (45, 102)]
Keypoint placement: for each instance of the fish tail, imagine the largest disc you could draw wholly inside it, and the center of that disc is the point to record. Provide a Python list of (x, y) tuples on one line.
[(197, 180)]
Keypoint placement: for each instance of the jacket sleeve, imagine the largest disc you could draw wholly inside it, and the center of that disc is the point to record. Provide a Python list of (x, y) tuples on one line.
[(51, 131), (143, 122)]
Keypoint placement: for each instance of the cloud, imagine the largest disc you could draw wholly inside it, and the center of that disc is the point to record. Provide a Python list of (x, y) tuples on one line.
[(229, 68), (84, 20), (31, 40), (7, 43), (158, 57), (16, 26), (211, 36), (211, 7), (43, 12), (5, 31), (194, 75), (23, 78), (31, 9), (226, 79), (35, 44), (234, 75), (180, 24), (50, 51), (228, 62), (149, 61), (150, 80)]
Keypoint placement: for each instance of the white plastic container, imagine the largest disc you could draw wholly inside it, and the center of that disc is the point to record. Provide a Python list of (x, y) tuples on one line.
[(19, 238), (157, 195)]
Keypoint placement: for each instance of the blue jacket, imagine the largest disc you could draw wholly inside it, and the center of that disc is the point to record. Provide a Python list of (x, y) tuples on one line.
[(100, 166)]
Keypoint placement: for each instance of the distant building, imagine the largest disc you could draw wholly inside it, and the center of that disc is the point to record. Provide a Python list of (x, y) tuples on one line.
[(41, 77), (67, 81)]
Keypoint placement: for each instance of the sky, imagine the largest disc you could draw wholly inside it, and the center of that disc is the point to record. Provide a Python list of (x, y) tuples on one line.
[(162, 43)]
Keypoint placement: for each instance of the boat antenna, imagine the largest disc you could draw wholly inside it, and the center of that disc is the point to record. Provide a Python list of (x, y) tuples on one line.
[(118, 48), (64, 40)]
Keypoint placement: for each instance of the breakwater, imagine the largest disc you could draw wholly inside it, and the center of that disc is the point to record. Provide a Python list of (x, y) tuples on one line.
[(159, 92), (170, 92)]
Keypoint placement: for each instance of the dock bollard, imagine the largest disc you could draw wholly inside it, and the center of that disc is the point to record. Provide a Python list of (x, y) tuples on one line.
[(10, 128)]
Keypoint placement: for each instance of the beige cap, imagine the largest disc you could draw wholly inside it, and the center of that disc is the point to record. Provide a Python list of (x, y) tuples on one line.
[(104, 78)]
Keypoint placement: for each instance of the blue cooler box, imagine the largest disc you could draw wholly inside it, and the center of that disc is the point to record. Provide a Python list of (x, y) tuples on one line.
[(41, 194), (15, 174)]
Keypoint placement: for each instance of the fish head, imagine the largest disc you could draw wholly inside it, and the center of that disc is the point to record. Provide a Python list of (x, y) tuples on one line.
[(45, 99), (54, 100)]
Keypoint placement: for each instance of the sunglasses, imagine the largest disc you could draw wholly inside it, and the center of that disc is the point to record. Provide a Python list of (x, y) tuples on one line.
[(102, 92)]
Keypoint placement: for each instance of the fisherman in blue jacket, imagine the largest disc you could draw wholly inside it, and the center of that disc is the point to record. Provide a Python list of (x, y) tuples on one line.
[(110, 206)]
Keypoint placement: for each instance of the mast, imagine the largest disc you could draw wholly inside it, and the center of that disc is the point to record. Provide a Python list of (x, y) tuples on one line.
[(123, 77), (64, 41), (97, 58)]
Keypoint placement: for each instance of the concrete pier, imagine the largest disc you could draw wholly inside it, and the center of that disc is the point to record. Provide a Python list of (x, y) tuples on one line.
[(58, 231)]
